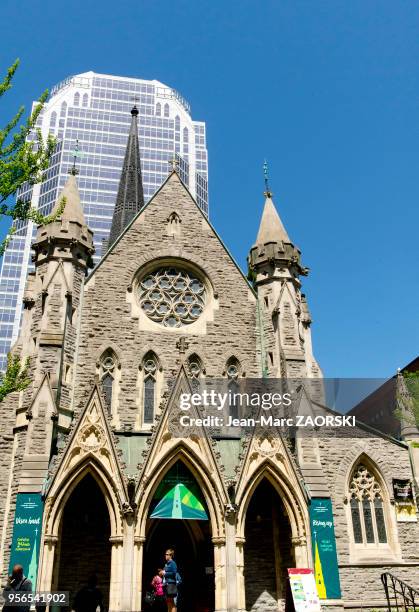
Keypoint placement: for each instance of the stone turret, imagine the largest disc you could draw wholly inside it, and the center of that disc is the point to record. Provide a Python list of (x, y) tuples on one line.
[(62, 256), (63, 252), (275, 264)]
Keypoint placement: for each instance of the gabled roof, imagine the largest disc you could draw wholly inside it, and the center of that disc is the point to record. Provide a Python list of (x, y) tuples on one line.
[(172, 176)]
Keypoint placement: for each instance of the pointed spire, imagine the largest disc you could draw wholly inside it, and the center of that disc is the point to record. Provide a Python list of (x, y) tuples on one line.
[(271, 228), (73, 210), (130, 198), (273, 243)]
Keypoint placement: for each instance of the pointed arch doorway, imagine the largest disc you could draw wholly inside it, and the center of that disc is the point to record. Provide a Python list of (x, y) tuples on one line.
[(267, 552), (83, 543), (178, 519)]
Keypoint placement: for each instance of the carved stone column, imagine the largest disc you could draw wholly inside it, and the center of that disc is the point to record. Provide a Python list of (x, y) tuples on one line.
[(241, 592), (220, 581), (46, 563), (138, 573), (115, 586), (299, 548), (231, 557)]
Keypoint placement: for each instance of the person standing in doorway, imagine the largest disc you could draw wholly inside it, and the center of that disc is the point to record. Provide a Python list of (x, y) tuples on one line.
[(170, 584), (16, 583)]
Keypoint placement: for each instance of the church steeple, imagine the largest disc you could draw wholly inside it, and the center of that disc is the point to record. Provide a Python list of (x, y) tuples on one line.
[(276, 268), (130, 198), (273, 247)]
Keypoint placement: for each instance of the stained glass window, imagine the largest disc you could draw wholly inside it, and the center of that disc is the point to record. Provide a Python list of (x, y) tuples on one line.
[(368, 521), (107, 377), (356, 521), (150, 369), (379, 517), (172, 297)]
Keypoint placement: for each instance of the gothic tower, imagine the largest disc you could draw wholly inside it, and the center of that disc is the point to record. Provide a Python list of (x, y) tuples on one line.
[(275, 263)]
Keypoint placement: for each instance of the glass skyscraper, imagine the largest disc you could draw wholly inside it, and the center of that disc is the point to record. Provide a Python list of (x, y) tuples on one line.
[(94, 109)]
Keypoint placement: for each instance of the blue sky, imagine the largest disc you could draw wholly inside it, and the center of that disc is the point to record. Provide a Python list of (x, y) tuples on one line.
[(327, 91)]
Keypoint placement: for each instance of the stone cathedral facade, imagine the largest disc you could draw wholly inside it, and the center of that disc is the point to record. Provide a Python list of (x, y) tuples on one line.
[(111, 350)]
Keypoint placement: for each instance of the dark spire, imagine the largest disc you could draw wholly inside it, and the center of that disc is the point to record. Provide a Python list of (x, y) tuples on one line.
[(130, 198)]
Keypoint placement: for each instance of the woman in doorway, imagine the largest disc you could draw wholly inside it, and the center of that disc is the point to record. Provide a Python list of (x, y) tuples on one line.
[(170, 586)]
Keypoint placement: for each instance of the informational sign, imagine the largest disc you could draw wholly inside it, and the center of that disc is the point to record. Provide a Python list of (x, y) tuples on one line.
[(303, 589), (326, 569), (26, 538), (404, 501)]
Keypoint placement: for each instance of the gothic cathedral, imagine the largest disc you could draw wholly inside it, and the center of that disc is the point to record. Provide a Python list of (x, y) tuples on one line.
[(111, 349)]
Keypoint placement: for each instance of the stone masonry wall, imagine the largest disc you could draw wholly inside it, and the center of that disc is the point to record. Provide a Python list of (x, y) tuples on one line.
[(392, 461), (108, 321)]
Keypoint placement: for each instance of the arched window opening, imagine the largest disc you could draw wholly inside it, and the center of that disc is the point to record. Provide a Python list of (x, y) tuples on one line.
[(77, 99), (107, 377), (195, 367), (366, 503), (85, 99), (185, 135), (166, 110), (63, 109), (149, 387), (158, 109)]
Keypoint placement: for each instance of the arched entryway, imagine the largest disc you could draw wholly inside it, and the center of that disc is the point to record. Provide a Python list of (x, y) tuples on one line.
[(83, 545), (171, 526), (267, 552)]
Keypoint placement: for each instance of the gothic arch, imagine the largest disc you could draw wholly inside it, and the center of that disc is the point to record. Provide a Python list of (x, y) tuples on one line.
[(374, 463), (294, 503), (353, 456), (109, 347), (63, 488), (208, 488)]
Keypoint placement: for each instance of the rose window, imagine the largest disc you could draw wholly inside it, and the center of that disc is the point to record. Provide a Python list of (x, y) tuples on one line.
[(172, 297)]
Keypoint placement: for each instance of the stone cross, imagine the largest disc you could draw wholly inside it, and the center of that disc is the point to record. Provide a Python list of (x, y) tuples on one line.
[(182, 345)]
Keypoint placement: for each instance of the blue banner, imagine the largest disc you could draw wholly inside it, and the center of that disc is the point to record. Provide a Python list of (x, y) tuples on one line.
[(26, 539), (326, 570)]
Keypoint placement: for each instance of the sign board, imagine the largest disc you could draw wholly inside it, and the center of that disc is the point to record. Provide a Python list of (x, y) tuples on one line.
[(326, 569), (303, 589), (26, 538), (404, 501)]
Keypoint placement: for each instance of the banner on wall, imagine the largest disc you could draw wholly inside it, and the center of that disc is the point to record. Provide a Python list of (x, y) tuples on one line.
[(26, 538), (404, 501), (326, 571), (303, 589)]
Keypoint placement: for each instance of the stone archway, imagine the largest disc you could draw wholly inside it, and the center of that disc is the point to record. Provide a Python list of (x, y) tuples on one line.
[(268, 551), (192, 541), (83, 546)]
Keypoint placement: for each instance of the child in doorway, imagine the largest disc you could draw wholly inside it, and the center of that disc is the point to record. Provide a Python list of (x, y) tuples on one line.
[(159, 598)]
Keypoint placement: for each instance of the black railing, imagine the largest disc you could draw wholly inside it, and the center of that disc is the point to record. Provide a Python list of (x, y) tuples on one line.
[(400, 596)]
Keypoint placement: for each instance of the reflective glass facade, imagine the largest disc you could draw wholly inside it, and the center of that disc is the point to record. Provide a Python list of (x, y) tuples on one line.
[(95, 110)]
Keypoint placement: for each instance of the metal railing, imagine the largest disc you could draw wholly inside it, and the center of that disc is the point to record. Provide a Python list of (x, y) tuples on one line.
[(400, 596)]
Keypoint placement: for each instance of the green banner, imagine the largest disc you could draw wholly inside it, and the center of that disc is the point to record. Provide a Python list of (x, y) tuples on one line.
[(27, 529), (326, 571), (178, 497)]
